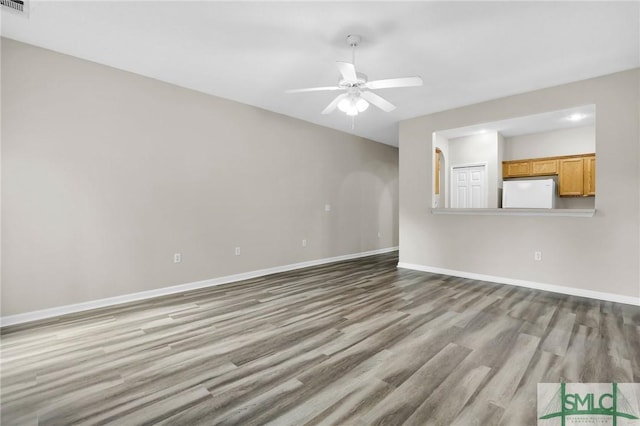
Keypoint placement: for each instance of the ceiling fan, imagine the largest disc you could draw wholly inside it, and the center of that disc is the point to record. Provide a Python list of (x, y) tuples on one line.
[(357, 89)]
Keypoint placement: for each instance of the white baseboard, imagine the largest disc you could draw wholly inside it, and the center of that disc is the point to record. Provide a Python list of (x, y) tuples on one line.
[(117, 300), (610, 297)]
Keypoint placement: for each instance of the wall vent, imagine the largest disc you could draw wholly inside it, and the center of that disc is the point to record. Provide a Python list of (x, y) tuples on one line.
[(20, 7)]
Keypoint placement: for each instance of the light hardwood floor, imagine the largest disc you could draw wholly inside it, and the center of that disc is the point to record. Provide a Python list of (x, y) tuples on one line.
[(356, 342)]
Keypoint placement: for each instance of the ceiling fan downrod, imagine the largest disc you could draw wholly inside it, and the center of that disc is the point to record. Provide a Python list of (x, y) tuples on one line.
[(353, 40)]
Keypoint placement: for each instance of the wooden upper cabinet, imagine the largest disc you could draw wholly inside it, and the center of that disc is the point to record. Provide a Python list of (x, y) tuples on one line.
[(544, 167), (576, 173), (589, 175), (571, 177), (516, 168), (577, 177), (533, 167)]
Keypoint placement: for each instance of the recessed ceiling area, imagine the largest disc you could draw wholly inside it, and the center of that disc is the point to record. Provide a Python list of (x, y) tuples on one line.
[(251, 52), (580, 116)]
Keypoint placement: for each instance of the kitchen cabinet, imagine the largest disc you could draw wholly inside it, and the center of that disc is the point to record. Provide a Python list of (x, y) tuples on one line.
[(516, 168), (577, 177), (590, 175), (530, 167), (576, 173), (544, 167), (571, 177)]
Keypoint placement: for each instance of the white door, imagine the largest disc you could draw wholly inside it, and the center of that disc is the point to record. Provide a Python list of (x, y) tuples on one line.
[(469, 187)]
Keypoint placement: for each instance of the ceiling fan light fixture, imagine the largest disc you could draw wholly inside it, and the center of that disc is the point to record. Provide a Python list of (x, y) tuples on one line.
[(362, 105), (352, 108), (344, 104), (353, 105)]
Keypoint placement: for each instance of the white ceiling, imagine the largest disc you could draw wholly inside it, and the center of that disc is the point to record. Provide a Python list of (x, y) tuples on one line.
[(250, 52), (537, 123)]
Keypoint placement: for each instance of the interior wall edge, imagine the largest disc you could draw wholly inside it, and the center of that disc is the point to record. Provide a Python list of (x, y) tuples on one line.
[(180, 288), (554, 288)]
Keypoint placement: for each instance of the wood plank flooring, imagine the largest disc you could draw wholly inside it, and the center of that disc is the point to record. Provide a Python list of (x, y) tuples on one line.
[(352, 343)]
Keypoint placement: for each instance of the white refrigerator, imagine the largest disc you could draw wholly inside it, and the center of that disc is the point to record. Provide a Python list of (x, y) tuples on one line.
[(529, 194)]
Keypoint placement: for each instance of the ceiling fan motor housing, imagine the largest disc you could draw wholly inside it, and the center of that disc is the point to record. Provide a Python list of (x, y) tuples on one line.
[(362, 80)]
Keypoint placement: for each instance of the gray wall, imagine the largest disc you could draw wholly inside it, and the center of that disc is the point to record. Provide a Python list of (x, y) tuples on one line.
[(599, 254), (577, 140), (106, 174)]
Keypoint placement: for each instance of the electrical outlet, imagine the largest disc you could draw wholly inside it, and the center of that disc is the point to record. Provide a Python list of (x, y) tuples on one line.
[(304, 243), (177, 257), (379, 234), (537, 255), (237, 251), (327, 207)]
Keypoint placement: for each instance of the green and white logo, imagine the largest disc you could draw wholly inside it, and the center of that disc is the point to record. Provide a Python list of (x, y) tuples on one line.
[(569, 404)]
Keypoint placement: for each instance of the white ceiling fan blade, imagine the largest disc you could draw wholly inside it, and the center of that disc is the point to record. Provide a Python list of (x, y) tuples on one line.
[(378, 101), (313, 89), (334, 104), (348, 72), (394, 82)]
